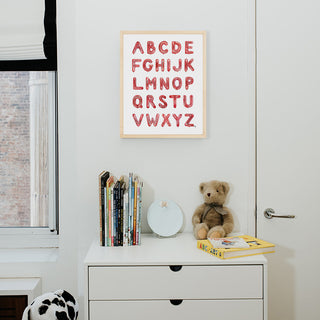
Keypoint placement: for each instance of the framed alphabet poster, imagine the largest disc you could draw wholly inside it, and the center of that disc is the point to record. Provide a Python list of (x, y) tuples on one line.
[(163, 84)]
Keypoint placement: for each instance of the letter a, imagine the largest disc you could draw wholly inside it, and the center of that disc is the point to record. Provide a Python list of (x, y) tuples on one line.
[(137, 46)]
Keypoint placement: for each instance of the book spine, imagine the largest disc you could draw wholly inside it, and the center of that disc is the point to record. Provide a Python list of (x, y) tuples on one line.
[(115, 215), (131, 212), (129, 209), (140, 213), (100, 207), (110, 218), (103, 177), (125, 219), (135, 214), (121, 216), (106, 217)]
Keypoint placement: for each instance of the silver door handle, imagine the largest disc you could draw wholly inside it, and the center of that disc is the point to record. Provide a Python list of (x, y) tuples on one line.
[(270, 213)]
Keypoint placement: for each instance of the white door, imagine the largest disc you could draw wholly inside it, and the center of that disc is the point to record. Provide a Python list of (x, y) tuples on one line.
[(288, 131)]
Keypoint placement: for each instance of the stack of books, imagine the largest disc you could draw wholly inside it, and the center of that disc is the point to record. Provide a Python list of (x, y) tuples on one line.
[(120, 206)]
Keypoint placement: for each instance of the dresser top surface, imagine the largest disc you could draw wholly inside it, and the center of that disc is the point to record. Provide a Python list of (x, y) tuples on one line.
[(179, 250)]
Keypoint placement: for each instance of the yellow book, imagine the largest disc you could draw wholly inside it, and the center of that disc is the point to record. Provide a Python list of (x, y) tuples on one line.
[(256, 246)]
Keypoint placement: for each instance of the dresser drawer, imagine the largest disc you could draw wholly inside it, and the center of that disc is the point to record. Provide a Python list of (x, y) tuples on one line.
[(187, 310), (191, 282)]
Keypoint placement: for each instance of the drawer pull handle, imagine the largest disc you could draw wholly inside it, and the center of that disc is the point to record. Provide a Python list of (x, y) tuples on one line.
[(175, 268), (176, 302)]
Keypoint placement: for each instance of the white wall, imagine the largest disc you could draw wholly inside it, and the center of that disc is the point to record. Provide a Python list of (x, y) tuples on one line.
[(89, 60), (170, 168)]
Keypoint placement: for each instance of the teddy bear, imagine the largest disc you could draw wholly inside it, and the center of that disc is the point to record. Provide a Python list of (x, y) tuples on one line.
[(211, 219)]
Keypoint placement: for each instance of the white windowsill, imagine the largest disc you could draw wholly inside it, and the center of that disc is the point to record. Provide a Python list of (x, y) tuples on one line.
[(29, 255), (28, 247)]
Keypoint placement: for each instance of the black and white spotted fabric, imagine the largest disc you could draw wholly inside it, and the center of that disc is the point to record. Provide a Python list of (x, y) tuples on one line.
[(58, 305)]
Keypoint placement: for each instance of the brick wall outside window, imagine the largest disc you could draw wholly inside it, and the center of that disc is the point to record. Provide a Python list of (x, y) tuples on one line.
[(14, 149)]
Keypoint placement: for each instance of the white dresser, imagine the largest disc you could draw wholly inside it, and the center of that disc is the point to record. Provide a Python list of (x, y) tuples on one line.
[(171, 279)]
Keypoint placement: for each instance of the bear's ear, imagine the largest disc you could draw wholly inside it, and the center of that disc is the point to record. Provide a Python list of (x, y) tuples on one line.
[(225, 187), (201, 187)]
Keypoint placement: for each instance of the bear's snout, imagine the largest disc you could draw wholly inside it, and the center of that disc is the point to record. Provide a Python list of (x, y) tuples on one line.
[(208, 194)]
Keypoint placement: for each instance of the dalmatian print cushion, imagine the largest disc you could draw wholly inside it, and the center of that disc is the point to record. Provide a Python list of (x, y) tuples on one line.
[(58, 305)]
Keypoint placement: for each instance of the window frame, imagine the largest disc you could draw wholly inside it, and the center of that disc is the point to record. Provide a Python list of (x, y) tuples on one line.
[(42, 237)]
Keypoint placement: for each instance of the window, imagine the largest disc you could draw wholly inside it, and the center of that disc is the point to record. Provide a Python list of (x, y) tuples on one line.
[(28, 157), (28, 124)]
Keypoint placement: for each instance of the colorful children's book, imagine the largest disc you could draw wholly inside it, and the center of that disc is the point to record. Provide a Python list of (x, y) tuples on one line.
[(125, 218), (108, 221), (103, 177), (116, 207), (105, 216), (111, 204), (256, 246), (135, 183), (139, 212), (120, 213), (131, 208)]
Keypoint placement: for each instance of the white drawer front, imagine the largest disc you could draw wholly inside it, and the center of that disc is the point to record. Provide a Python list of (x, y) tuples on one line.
[(187, 310), (191, 282)]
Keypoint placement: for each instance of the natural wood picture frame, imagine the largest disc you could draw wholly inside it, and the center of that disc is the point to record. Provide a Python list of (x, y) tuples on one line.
[(163, 84)]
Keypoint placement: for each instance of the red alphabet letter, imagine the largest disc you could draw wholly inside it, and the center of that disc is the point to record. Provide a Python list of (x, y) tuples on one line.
[(177, 118), (164, 83), (150, 47), (168, 65), (138, 122), (137, 46), (176, 47), (174, 85), (178, 68), (134, 64), (187, 64), (188, 124), (164, 102), (134, 101), (175, 97), (161, 65), (152, 82), (166, 120), (150, 101), (185, 101), (161, 44), (152, 121), (135, 87), (189, 81), (144, 65), (188, 47)]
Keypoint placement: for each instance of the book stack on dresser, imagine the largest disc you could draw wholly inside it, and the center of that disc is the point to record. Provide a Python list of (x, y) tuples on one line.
[(120, 205)]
